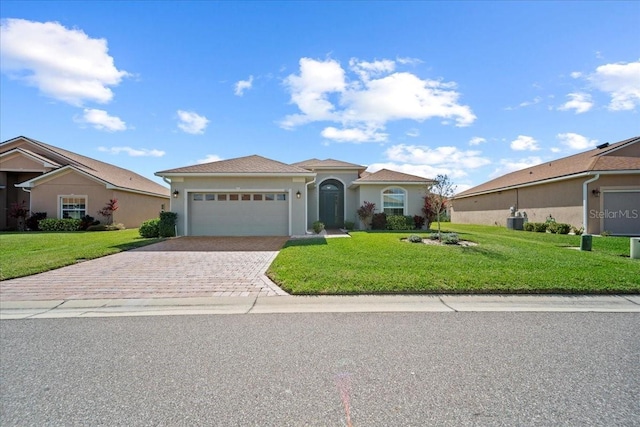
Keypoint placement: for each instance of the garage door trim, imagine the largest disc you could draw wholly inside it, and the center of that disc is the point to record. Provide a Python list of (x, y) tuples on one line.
[(189, 191)]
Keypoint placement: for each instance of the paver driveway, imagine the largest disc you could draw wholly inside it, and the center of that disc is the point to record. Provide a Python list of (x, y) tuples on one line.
[(175, 268)]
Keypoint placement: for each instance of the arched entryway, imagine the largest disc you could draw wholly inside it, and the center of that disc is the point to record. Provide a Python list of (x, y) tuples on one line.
[(331, 203)]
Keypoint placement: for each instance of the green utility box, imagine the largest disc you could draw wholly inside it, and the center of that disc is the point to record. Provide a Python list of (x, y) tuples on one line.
[(585, 242)]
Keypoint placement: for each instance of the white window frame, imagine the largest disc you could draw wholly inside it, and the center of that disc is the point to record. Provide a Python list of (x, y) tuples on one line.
[(72, 196), (404, 200)]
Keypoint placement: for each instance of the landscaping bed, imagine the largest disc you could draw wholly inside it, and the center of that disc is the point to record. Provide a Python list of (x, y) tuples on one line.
[(503, 261)]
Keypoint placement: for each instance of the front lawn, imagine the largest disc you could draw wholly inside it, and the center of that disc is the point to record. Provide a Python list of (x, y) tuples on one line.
[(504, 261), (23, 254)]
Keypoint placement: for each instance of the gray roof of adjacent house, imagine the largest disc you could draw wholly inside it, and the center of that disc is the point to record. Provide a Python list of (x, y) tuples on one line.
[(623, 156), (59, 159), (248, 165)]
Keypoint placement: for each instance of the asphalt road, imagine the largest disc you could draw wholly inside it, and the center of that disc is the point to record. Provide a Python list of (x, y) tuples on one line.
[(382, 369)]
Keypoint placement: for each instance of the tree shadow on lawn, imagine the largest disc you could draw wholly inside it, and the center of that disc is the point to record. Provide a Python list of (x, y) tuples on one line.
[(312, 241), (478, 250)]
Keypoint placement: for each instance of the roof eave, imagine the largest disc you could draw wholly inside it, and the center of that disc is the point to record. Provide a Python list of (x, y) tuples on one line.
[(236, 175)]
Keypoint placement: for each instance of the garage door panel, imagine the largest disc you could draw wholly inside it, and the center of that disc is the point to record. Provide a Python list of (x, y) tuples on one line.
[(621, 213), (238, 218)]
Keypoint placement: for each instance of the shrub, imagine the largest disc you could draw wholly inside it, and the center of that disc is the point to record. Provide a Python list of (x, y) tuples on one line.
[(87, 221), (318, 226), (577, 231), (349, 225), (20, 212), (167, 225), (150, 228), (418, 221), (108, 210), (529, 226), (32, 221), (54, 224), (106, 227), (379, 221), (605, 233), (399, 222), (450, 238), (414, 238), (365, 212), (539, 227), (561, 228)]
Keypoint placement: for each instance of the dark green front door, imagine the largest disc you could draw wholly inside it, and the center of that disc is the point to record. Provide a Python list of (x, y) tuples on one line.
[(332, 204)]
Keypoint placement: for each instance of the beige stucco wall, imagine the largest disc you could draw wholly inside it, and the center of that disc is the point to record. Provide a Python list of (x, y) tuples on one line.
[(562, 200), (133, 208), (201, 184), (20, 163)]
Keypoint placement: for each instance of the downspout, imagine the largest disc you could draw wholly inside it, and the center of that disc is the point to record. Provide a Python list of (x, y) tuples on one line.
[(585, 194), (306, 204)]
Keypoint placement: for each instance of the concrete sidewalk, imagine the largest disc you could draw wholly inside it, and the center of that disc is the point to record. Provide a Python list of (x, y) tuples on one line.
[(316, 304)]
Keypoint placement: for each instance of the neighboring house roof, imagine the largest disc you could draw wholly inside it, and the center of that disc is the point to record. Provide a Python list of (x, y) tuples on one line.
[(113, 176), (250, 165), (315, 164), (606, 159), (47, 163), (386, 176)]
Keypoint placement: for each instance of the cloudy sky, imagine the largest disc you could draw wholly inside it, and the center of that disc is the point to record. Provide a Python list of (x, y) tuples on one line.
[(468, 89)]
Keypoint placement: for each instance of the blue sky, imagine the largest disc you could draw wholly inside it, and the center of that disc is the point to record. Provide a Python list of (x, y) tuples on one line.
[(468, 89)]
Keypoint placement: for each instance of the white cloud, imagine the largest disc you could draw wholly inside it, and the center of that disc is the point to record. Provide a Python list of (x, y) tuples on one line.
[(140, 152), (477, 140), (580, 102), (429, 162), (621, 81), (353, 135), (555, 149), (534, 101), (101, 120), (377, 94), (523, 142), (413, 133), (576, 74), (510, 165), (64, 64), (409, 61), (210, 158), (575, 141), (191, 122), (243, 85)]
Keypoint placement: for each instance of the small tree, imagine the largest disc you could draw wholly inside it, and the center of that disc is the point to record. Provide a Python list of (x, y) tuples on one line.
[(20, 212), (365, 213), (439, 194), (108, 210)]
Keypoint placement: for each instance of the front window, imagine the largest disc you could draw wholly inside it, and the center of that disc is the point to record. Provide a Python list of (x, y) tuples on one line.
[(393, 201), (73, 207)]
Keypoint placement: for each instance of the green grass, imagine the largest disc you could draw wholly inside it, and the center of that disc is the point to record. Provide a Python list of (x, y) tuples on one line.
[(23, 254), (505, 261)]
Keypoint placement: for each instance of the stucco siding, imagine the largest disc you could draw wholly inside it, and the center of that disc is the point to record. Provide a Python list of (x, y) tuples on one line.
[(373, 194), (134, 208), (19, 162)]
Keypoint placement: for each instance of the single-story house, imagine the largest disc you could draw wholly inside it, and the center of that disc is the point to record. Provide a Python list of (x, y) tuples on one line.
[(598, 190), (256, 196), (67, 185)]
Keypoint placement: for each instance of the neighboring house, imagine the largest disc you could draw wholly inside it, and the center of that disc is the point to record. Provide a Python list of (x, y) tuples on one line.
[(598, 189), (67, 185), (256, 196)]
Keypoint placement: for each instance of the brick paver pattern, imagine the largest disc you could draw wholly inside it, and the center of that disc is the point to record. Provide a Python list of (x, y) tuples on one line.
[(176, 268)]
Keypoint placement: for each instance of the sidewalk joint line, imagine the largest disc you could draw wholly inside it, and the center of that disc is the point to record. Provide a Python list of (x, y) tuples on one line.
[(447, 305), (255, 300), (630, 300), (46, 311)]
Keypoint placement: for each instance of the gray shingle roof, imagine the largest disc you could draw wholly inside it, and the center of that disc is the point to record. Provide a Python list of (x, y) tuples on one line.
[(242, 165), (118, 177), (327, 164), (386, 175), (609, 158)]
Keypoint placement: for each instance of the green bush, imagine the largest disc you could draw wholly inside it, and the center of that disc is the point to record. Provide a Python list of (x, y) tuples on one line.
[(318, 227), (529, 226), (577, 231), (150, 228), (349, 225), (34, 219), (167, 225), (399, 222), (414, 238), (558, 228), (54, 224), (450, 238), (540, 227)]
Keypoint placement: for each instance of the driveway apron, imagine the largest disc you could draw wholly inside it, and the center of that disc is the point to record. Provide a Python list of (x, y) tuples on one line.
[(176, 268)]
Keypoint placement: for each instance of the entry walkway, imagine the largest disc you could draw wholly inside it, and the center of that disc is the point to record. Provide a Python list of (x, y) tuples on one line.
[(176, 268)]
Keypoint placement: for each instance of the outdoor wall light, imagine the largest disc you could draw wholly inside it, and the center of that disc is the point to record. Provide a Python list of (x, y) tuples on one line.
[(596, 192), (298, 195), (175, 194)]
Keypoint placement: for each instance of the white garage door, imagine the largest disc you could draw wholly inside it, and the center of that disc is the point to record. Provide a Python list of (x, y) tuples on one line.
[(621, 212), (238, 214)]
